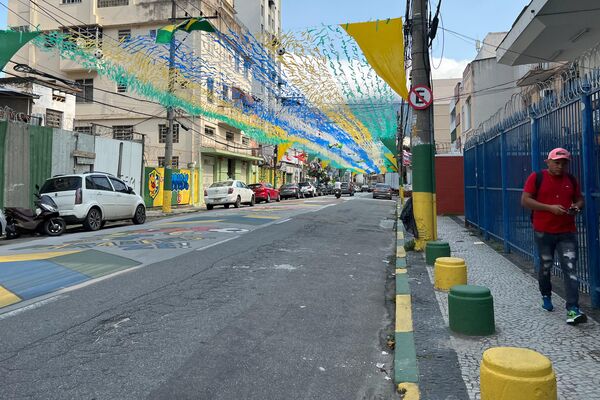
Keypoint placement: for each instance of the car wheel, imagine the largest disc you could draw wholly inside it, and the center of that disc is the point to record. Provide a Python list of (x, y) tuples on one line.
[(209, 207), (140, 215), (93, 220), (226, 206), (54, 226), (237, 203), (278, 198), (252, 202), (297, 196), (268, 198)]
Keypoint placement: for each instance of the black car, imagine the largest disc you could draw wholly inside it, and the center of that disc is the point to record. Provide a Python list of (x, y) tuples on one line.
[(324, 189), (290, 190)]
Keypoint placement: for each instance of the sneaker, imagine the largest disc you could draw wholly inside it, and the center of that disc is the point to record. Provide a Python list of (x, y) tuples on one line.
[(547, 303), (575, 316)]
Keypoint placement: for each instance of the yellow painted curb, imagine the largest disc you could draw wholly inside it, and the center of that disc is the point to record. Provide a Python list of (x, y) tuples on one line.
[(400, 234), (7, 298), (403, 313), (400, 252), (400, 271), (409, 391), (36, 256)]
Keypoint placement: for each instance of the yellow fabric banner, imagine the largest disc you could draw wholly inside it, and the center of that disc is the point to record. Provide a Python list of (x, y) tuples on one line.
[(391, 159), (382, 43), (282, 148)]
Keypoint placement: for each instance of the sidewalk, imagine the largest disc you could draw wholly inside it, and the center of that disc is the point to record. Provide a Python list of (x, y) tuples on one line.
[(157, 212), (444, 357)]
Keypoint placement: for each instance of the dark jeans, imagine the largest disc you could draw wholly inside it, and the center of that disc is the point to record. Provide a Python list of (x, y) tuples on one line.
[(565, 246)]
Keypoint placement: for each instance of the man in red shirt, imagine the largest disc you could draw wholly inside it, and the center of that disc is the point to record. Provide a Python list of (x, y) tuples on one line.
[(555, 198)]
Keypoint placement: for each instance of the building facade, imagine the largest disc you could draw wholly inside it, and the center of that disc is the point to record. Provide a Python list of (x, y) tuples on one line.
[(443, 92), (107, 108)]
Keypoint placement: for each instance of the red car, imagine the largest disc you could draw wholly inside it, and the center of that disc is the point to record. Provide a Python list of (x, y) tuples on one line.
[(265, 192)]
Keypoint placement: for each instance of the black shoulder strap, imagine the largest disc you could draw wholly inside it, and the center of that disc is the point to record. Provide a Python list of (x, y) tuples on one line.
[(539, 176)]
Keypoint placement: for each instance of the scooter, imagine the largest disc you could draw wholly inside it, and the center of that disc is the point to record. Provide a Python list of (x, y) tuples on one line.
[(44, 219), (337, 193)]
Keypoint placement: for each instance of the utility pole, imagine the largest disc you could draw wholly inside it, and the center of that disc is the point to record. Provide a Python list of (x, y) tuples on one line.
[(423, 149), (167, 183)]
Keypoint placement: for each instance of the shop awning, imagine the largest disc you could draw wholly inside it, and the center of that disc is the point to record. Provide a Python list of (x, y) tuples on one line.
[(211, 151)]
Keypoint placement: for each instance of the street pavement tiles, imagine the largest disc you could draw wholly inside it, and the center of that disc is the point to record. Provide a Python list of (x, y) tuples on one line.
[(520, 320)]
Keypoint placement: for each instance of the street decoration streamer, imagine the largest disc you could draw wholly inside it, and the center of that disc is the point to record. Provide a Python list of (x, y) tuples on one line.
[(321, 94)]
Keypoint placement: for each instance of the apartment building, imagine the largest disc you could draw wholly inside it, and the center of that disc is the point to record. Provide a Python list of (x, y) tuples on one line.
[(443, 91), (108, 108)]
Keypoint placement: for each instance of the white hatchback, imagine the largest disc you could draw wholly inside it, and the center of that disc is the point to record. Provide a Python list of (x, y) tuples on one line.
[(93, 198), (228, 193)]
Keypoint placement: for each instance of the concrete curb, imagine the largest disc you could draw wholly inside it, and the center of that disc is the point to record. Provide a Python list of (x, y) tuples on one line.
[(406, 373)]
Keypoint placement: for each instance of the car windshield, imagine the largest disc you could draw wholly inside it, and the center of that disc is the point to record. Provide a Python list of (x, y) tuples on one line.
[(61, 184), (345, 184), (303, 184), (289, 186), (382, 186), (255, 185), (221, 184)]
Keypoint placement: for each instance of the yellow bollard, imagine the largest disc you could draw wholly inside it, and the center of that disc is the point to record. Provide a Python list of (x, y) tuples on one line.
[(511, 373), (448, 272)]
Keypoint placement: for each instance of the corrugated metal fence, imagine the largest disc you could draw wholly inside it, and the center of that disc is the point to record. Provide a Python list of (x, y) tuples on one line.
[(500, 158)]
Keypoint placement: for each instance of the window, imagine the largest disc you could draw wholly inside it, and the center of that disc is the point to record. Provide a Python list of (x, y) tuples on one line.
[(83, 129), (22, 28), (229, 136), (153, 33), (122, 87), (119, 186), (237, 64), (87, 32), (164, 129), (209, 131), (112, 3), (174, 161), (246, 68), (54, 118), (123, 132), (124, 35), (210, 85), (225, 92), (62, 184), (245, 141), (87, 91), (70, 1), (100, 183)]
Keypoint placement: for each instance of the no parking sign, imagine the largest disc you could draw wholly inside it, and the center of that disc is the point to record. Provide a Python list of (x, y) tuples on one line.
[(420, 97)]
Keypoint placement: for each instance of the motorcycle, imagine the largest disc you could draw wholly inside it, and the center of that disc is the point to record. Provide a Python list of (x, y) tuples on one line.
[(44, 219), (337, 193)]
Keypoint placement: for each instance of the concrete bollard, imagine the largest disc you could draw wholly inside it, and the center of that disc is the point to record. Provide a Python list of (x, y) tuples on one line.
[(435, 249), (511, 373), (448, 272), (471, 310)]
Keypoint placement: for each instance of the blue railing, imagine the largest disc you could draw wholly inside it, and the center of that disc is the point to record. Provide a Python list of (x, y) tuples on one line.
[(498, 161)]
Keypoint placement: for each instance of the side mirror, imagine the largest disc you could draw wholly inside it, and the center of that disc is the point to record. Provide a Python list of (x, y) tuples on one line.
[(37, 187), (130, 190)]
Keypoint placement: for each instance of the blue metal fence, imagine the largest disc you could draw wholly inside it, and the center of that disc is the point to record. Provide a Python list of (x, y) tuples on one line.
[(499, 160)]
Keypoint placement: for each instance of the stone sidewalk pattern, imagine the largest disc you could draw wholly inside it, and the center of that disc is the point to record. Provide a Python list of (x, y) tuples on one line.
[(520, 320)]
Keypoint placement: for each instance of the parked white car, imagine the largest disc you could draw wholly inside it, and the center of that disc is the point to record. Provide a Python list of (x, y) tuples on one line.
[(228, 193), (307, 189), (93, 198)]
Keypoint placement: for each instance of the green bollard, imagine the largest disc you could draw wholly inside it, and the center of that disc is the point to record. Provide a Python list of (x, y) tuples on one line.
[(471, 310), (436, 249)]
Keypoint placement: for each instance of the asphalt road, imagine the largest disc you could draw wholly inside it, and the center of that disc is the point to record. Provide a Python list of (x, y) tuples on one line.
[(292, 308)]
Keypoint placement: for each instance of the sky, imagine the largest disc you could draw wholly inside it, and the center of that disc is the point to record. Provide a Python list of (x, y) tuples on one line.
[(460, 16)]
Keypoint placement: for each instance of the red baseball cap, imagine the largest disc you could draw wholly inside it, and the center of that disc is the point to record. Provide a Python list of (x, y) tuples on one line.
[(559, 154)]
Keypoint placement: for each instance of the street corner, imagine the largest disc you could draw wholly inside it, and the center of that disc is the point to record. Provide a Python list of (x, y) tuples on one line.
[(27, 276)]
